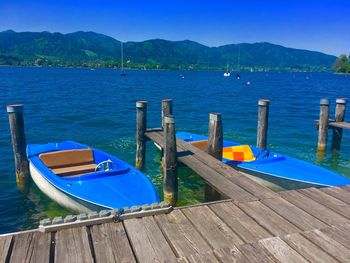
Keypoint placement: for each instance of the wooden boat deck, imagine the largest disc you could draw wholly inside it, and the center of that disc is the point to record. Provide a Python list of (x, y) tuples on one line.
[(291, 226)]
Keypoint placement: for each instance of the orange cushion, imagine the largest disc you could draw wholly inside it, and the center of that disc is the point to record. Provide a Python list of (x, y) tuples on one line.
[(241, 153)]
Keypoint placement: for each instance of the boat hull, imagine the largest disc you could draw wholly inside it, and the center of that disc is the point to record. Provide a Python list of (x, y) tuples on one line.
[(60, 197)]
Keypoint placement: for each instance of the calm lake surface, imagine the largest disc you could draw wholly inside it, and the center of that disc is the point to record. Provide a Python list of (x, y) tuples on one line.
[(97, 108)]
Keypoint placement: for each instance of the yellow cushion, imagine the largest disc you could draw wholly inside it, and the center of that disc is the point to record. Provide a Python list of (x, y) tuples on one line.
[(241, 153)]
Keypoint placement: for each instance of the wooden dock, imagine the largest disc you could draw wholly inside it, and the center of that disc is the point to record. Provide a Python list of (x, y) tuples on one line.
[(218, 175), (292, 226)]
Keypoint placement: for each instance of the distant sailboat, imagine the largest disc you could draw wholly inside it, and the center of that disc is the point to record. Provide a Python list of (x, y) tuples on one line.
[(122, 60), (238, 76), (227, 73)]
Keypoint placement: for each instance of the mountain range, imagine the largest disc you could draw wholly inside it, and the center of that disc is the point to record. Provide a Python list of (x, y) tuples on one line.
[(90, 49)]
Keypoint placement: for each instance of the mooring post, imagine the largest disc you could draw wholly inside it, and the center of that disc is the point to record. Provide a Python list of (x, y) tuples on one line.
[(263, 121), (18, 138), (141, 122), (170, 186), (167, 108), (215, 142), (339, 117), (323, 126)]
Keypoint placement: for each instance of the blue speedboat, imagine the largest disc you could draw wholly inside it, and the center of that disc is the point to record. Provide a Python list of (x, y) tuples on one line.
[(278, 169), (85, 179)]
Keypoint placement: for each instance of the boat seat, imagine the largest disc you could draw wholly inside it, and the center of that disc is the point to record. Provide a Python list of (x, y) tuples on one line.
[(69, 162), (240, 153), (74, 170), (201, 145)]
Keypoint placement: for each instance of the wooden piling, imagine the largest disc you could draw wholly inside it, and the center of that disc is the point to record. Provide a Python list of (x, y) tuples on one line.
[(167, 108), (215, 145), (339, 117), (215, 135), (170, 185), (323, 126), (263, 119), (141, 122), (19, 145)]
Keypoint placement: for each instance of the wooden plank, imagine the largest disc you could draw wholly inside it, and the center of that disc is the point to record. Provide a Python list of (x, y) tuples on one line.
[(327, 200), (293, 214), (214, 231), (329, 245), (31, 247), (230, 255), (312, 207), (184, 239), (343, 125), (111, 243), (339, 233), (267, 218), (239, 222), (338, 192), (280, 250), (307, 249), (147, 240), (257, 254), (202, 258), (5, 243), (72, 245)]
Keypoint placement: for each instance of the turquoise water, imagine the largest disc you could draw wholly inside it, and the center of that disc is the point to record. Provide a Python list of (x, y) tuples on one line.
[(97, 108)]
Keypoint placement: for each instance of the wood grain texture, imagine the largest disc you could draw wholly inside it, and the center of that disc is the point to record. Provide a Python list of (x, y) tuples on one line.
[(239, 222), (307, 249), (257, 253), (293, 214), (147, 240), (202, 258), (338, 192), (111, 243), (329, 201), (72, 245), (232, 255), (31, 247), (141, 126), (339, 117), (280, 250), (340, 233), (5, 243), (268, 218), (314, 208), (263, 120), (323, 126), (326, 243), (184, 238), (212, 228)]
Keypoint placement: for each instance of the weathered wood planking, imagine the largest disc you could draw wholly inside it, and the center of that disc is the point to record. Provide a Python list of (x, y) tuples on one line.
[(307, 249), (343, 125), (147, 240), (5, 243), (72, 245), (31, 247), (328, 201), (339, 233), (314, 208), (279, 249), (238, 221), (111, 243), (338, 192), (212, 228), (181, 234), (329, 245), (269, 219), (257, 253), (293, 214), (231, 254)]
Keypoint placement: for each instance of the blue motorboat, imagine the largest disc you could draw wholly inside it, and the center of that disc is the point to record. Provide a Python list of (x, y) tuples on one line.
[(85, 179), (278, 169)]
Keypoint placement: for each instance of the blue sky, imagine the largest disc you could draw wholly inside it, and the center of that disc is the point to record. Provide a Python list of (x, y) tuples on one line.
[(322, 25)]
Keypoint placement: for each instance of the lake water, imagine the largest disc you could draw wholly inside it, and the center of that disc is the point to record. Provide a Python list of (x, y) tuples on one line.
[(97, 108)]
